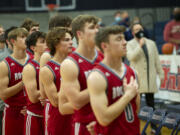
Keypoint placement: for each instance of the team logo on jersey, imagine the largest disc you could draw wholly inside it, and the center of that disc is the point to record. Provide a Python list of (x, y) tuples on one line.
[(37, 67), (18, 76), (12, 64), (117, 91), (56, 68), (80, 60)]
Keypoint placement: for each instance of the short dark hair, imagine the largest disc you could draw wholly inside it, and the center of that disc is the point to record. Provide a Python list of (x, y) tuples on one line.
[(104, 33), (79, 22), (28, 23), (59, 21), (54, 36), (31, 40)]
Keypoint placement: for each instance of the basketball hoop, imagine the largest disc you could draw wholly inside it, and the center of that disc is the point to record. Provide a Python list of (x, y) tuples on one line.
[(52, 9)]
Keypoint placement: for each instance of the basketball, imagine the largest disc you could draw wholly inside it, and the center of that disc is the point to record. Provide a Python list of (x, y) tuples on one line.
[(167, 48)]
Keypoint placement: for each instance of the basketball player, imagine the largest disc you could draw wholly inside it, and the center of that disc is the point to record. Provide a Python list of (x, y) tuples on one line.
[(75, 69), (59, 20), (59, 41), (113, 88), (11, 85), (34, 117)]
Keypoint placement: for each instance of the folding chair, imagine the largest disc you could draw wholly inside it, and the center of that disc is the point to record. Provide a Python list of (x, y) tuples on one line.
[(146, 115), (178, 129), (171, 121), (157, 118)]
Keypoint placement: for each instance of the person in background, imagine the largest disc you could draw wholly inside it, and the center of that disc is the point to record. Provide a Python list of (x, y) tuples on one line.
[(1, 30), (144, 58), (100, 23), (172, 30), (117, 18), (136, 19), (122, 18)]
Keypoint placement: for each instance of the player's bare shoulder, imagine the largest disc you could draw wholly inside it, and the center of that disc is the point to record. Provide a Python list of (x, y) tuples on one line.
[(45, 58), (4, 68), (28, 69), (45, 72), (69, 68), (96, 80)]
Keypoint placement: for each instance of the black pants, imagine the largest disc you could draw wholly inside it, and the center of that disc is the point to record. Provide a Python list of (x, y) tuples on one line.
[(150, 102), (1, 116)]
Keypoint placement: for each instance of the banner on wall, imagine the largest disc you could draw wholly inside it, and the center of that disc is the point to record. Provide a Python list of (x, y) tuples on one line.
[(170, 88)]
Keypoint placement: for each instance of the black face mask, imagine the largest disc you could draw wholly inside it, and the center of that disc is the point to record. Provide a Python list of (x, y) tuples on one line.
[(177, 16), (140, 34)]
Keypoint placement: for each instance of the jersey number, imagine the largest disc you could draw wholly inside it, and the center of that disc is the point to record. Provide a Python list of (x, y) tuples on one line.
[(129, 113)]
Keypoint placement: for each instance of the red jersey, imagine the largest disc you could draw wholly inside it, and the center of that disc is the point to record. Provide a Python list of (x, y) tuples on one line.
[(15, 76), (127, 123), (29, 52), (36, 108), (85, 66), (172, 30), (57, 123), (101, 54)]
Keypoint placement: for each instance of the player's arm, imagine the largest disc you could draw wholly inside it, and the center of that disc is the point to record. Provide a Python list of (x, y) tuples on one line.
[(44, 59), (42, 91), (29, 80), (47, 80), (64, 106), (70, 85), (5, 91), (97, 89)]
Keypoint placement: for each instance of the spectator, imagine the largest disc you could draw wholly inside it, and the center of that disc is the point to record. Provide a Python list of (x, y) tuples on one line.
[(117, 18), (143, 56), (172, 30), (100, 23), (136, 19)]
